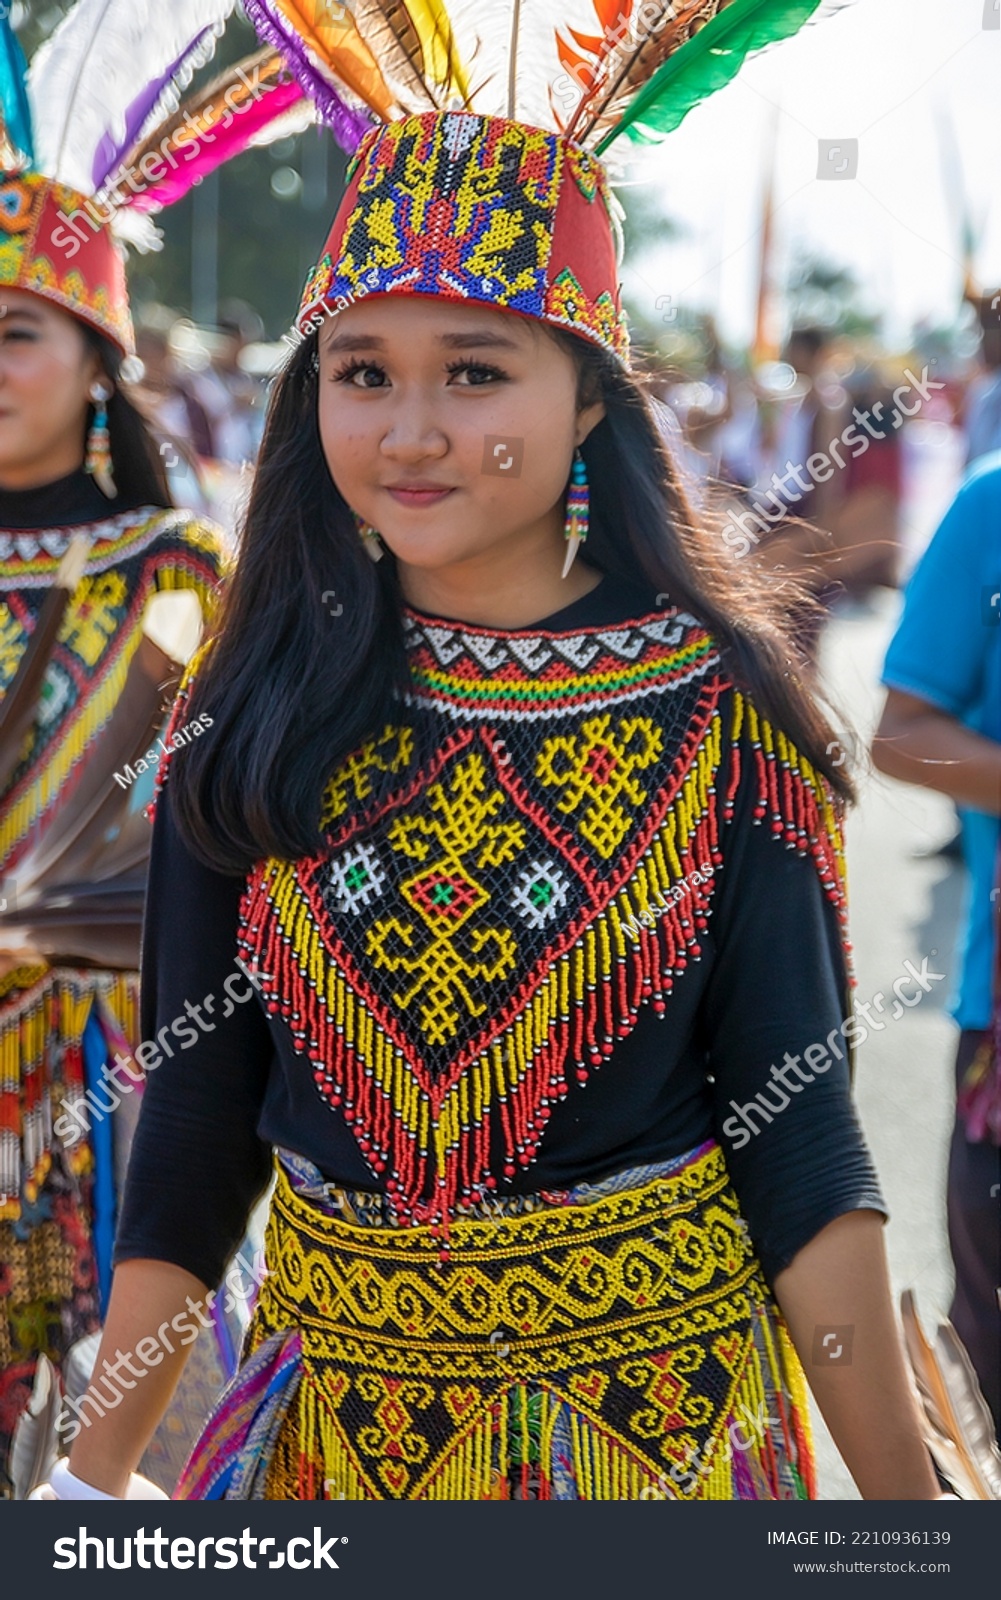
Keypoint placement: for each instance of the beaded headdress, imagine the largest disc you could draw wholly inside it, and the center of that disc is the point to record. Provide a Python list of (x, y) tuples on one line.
[(39, 253), (94, 137), (479, 208), (477, 129)]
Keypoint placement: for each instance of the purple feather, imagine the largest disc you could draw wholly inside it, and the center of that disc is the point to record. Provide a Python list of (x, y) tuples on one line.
[(347, 125), (111, 150)]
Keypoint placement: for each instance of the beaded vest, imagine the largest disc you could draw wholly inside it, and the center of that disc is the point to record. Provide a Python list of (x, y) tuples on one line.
[(132, 556), (44, 1010), (513, 866)]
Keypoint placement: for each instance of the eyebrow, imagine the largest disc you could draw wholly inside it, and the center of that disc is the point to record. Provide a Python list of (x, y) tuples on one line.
[(451, 341), (20, 311)]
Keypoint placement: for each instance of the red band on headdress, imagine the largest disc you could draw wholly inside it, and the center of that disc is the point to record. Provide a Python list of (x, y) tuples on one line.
[(54, 243)]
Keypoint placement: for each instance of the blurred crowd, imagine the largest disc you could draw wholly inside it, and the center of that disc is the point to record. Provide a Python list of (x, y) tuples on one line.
[(804, 459), (204, 391)]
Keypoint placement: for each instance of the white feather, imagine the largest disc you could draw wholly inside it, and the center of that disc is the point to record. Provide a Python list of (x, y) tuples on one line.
[(136, 229), (295, 120), (34, 1447), (84, 79), (508, 52)]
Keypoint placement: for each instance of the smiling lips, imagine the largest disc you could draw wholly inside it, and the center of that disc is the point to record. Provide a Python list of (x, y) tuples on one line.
[(418, 494)]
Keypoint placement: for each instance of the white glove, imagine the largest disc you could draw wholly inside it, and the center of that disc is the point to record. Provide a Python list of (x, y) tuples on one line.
[(64, 1485)]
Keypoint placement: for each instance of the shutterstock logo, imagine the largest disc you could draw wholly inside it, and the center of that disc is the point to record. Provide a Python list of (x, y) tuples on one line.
[(247, 1550), (832, 1344), (503, 455)]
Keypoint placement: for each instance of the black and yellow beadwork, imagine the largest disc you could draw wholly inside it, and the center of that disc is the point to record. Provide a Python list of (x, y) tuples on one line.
[(605, 1346), (511, 869)]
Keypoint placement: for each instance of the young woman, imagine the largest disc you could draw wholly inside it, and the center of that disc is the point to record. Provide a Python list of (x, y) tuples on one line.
[(504, 904), (76, 461)]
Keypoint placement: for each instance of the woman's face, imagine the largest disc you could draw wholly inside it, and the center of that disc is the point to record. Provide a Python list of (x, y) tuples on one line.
[(46, 370), (419, 395)]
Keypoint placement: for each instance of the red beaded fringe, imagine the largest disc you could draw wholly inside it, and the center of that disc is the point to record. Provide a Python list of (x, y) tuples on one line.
[(406, 1124)]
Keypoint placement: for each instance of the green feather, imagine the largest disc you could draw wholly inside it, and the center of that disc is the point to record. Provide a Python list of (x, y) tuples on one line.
[(707, 62)]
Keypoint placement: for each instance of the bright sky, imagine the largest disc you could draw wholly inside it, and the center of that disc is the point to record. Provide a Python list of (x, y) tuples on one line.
[(918, 84)]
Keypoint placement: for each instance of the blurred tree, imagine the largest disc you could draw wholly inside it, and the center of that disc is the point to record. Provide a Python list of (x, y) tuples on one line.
[(952, 345), (823, 293), (273, 206), (646, 226)]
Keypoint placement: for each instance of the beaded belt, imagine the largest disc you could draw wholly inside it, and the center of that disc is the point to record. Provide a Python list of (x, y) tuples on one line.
[(579, 1350)]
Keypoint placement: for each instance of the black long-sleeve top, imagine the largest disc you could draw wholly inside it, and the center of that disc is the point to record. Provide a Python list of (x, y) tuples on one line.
[(231, 1078)]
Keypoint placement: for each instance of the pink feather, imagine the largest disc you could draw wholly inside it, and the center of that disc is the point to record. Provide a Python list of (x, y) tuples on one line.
[(221, 146)]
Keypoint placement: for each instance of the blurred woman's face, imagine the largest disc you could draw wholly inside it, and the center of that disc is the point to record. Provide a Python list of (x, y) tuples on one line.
[(46, 370), (450, 428)]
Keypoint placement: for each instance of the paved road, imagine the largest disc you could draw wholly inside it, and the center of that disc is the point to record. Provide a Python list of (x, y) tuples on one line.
[(905, 905)]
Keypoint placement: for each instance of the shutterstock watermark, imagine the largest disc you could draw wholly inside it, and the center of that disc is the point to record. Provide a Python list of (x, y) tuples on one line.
[(857, 437), (638, 26), (832, 1344), (502, 455), (82, 1112), (837, 158), (83, 1549), (106, 1390), (98, 210), (741, 1128), (741, 1434)]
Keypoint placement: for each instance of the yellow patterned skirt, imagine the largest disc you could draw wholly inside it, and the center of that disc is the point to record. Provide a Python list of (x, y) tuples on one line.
[(615, 1341)]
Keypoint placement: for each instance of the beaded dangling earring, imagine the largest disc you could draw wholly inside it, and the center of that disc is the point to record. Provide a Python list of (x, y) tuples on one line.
[(369, 537), (578, 511), (98, 461)]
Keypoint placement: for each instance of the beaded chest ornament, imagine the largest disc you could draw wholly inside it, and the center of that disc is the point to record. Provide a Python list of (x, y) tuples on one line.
[(512, 868)]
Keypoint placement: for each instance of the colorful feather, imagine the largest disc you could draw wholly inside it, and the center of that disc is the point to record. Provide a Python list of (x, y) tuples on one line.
[(432, 21), (587, 68), (504, 55), (956, 1423), (331, 61), (391, 35), (398, 37), (239, 107), (706, 62), (110, 71), (608, 76), (16, 111)]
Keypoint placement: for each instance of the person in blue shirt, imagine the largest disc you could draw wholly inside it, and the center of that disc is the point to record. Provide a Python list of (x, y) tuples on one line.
[(941, 728)]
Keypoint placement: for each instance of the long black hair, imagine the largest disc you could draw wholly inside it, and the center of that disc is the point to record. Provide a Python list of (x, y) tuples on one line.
[(309, 649), (137, 466)]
